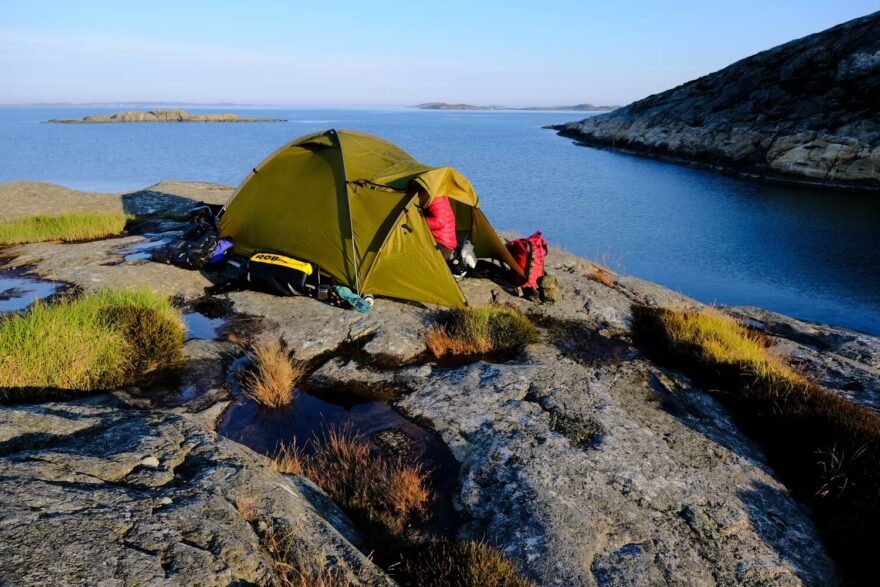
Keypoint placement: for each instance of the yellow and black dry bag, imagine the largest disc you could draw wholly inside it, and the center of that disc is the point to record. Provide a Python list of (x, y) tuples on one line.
[(280, 275)]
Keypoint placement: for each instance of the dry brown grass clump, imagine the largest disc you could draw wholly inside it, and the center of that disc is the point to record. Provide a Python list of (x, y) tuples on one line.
[(442, 563), (272, 381), (602, 275), (390, 495), (293, 567), (479, 330), (246, 506), (389, 492), (290, 459)]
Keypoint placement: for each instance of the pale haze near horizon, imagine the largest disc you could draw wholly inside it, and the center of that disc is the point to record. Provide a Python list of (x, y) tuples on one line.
[(348, 53)]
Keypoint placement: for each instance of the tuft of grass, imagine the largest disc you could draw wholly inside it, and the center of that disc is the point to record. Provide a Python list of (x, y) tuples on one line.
[(718, 348), (99, 340), (479, 330), (290, 459), (723, 341), (154, 331), (795, 418), (272, 381), (246, 505), (603, 276), (384, 492), (74, 226), (386, 496), (461, 563), (833, 465), (291, 564)]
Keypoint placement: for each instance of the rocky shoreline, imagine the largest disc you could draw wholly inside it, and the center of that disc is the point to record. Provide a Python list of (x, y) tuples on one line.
[(803, 113), (580, 457)]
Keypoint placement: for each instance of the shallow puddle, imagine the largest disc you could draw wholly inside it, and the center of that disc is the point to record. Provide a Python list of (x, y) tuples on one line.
[(751, 323), (202, 327), (312, 413), (187, 393), (18, 291)]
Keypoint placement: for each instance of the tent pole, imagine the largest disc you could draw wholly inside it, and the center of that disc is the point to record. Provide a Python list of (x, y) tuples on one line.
[(357, 280)]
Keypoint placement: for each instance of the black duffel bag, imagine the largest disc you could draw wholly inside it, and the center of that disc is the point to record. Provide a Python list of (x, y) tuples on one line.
[(280, 275), (193, 249)]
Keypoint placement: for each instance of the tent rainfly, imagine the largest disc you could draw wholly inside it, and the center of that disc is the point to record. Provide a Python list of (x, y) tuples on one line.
[(352, 204)]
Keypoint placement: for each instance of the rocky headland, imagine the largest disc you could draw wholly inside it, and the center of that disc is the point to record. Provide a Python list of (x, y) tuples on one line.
[(580, 457), (806, 112), (159, 116)]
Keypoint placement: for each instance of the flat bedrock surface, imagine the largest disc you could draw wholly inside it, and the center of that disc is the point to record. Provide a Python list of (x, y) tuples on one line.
[(580, 458)]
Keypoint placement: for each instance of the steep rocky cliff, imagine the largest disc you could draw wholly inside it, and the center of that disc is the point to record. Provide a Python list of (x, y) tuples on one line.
[(804, 112)]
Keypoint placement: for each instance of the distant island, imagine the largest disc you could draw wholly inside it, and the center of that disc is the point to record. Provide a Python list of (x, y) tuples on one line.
[(160, 116), (575, 108)]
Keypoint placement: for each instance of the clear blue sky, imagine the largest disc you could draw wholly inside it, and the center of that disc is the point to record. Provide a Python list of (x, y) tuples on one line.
[(386, 52)]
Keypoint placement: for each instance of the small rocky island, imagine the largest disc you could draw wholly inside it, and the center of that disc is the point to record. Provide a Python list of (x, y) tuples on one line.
[(160, 116), (806, 112)]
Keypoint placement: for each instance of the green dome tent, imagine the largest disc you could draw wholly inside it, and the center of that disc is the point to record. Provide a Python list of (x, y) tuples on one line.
[(351, 203)]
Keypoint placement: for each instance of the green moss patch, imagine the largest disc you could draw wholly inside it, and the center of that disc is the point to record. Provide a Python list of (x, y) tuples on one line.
[(96, 341), (64, 227)]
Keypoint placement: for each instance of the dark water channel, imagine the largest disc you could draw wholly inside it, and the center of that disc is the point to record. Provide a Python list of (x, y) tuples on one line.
[(313, 412)]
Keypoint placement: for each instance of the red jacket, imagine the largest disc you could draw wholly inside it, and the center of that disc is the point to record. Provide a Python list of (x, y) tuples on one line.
[(441, 221)]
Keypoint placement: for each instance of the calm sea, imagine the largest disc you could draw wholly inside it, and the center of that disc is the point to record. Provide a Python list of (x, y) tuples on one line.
[(808, 253)]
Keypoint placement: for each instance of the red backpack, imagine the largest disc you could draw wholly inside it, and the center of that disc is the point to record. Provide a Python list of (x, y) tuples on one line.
[(529, 254)]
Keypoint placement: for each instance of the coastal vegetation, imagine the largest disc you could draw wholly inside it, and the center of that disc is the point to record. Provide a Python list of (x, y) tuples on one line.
[(292, 566), (73, 226), (95, 341), (823, 445), (387, 494), (459, 563), (602, 276), (274, 376), (480, 330), (389, 499), (719, 348)]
